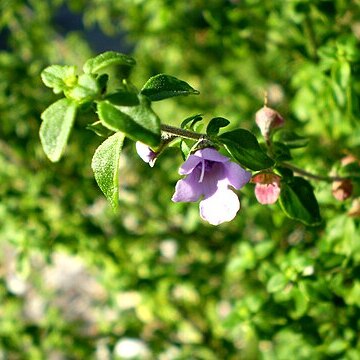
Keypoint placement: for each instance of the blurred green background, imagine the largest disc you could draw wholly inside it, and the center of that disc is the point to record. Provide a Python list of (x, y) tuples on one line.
[(153, 281)]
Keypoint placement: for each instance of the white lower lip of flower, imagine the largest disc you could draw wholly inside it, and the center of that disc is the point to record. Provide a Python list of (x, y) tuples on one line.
[(202, 171)]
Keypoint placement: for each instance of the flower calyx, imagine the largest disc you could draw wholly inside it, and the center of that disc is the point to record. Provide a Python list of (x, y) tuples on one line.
[(267, 187)]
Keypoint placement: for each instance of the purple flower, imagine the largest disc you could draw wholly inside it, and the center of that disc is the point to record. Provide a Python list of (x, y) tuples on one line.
[(145, 152), (210, 174)]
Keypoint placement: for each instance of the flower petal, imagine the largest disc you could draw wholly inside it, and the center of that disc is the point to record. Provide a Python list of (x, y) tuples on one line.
[(189, 165), (188, 189), (222, 206), (211, 154), (145, 152), (236, 175), (267, 193)]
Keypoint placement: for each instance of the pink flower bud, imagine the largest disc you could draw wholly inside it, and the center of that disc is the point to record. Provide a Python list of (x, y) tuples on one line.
[(267, 188), (342, 190), (268, 119)]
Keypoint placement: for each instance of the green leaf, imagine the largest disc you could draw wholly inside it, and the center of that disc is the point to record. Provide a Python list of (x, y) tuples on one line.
[(298, 201), (140, 123), (291, 139), (58, 120), (276, 283), (163, 86), (190, 121), (99, 129), (215, 124), (86, 89), (244, 147), (59, 78), (301, 301), (123, 98), (341, 73), (281, 152), (99, 63), (105, 165)]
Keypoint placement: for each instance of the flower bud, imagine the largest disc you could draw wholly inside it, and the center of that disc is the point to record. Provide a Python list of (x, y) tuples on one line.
[(268, 119), (146, 153), (342, 189), (267, 188)]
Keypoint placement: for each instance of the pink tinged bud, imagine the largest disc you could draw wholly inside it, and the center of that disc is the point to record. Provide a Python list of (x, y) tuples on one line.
[(267, 188), (342, 190), (268, 119), (145, 152)]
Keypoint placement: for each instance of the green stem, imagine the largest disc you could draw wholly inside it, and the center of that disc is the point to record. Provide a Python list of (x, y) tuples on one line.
[(313, 176), (311, 43), (177, 132), (182, 133)]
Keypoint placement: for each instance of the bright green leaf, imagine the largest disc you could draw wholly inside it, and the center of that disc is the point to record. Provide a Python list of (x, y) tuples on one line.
[(110, 58), (215, 124), (58, 120), (163, 86), (105, 165), (276, 283), (140, 123), (298, 201), (86, 89), (59, 77), (244, 147)]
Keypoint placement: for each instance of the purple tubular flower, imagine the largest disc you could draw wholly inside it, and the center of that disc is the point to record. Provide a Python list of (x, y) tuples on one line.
[(209, 174), (145, 152)]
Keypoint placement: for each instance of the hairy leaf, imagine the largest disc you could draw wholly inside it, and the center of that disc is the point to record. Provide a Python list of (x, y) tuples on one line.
[(163, 86), (57, 123), (105, 165)]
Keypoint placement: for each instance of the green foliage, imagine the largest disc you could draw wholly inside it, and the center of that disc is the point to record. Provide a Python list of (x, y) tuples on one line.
[(262, 287), (163, 86), (244, 147), (105, 164), (215, 125), (58, 120), (298, 201)]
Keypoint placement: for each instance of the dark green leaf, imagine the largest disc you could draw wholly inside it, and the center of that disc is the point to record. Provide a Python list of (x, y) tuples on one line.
[(298, 201), (140, 123), (59, 77), (291, 139), (105, 165), (244, 147), (163, 86), (58, 120), (110, 58), (281, 152), (215, 124), (123, 98), (191, 121)]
